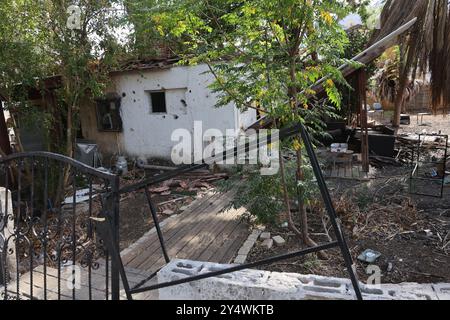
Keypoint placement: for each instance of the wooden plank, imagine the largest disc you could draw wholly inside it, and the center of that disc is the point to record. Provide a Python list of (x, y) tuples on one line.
[(152, 245), (127, 258), (219, 242), (168, 231), (236, 240), (210, 235), (176, 244)]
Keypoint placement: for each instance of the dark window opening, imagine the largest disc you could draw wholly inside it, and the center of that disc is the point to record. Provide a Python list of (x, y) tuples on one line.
[(158, 102), (108, 115)]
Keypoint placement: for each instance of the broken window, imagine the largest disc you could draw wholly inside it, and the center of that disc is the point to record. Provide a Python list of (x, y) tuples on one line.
[(108, 115), (158, 102)]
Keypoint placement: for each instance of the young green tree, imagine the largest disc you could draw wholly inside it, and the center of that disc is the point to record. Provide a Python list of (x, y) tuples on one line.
[(71, 39), (265, 55)]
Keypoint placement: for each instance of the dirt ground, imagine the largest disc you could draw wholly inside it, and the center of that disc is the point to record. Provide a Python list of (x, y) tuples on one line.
[(431, 124), (411, 232)]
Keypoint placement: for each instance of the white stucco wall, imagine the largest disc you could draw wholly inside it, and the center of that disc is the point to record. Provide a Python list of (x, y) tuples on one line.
[(148, 134)]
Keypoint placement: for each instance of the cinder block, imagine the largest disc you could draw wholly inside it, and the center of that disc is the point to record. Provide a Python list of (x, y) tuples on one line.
[(264, 285), (442, 291), (265, 236)]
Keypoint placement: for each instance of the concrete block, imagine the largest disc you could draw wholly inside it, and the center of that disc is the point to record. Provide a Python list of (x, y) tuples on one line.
[(265, 236), (409, 291), (246, 247), (265, 285), (279, 241), (442, 291), (168, 212), (254, 236), (268, 243), (240, 259)]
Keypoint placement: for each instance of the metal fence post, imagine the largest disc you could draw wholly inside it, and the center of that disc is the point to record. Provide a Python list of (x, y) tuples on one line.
[(114, 212), (2, 241)]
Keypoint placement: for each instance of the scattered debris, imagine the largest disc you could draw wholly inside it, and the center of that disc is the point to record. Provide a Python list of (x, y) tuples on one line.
[(160, 189), (80, 196), (369, 256), (268, 243), (279, 241), (168, 212), (285, 225), (390, 267)]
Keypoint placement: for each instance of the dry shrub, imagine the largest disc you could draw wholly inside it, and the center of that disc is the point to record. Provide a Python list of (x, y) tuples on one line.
[(393, 215)]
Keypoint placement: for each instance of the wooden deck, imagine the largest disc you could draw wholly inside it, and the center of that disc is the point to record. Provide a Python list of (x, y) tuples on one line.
[(205, 231), (96, 291)]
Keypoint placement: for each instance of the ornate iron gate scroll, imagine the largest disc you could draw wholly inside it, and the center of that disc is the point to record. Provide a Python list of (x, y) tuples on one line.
[(56, 242)]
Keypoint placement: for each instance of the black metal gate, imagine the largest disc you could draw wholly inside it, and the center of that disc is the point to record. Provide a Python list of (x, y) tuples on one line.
[(58, 242)]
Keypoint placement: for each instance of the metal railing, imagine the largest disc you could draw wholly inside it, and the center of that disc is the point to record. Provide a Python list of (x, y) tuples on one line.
[(42, 229), (297, 130)]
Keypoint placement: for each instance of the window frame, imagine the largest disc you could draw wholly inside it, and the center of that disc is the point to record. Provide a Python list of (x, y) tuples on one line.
[(108, 101), (150, 93)]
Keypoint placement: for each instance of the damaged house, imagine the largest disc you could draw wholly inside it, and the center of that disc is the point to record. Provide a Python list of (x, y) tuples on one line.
[(146, 102)]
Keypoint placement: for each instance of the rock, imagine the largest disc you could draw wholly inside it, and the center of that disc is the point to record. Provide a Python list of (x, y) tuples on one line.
[(168, 212), (268, 243), (265, 236), (428, 233), (184, 208), (390, 267), (285, 225), (279, 241), (369, 256), (240, 259)]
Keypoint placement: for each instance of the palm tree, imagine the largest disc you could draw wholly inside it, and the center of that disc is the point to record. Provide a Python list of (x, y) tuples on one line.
[(387, 79), (425, 49)]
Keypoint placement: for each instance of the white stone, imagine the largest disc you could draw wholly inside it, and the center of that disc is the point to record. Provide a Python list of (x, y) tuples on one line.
[(246, 248), (279, 241), (265, 236), (268, 243), (240, 259), (168, 212)]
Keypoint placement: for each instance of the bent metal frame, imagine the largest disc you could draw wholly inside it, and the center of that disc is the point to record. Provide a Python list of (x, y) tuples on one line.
[(284, 133)]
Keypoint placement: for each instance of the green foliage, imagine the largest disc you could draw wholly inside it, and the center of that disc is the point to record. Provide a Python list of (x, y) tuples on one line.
[(263, 54), (262, 196), (36, 43)]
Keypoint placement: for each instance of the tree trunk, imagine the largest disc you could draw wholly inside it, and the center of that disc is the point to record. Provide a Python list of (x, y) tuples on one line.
[(399, 101), (301, 207)]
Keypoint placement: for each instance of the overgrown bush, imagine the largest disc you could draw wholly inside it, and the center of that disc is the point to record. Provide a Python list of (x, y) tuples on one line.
[(262, 196)]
